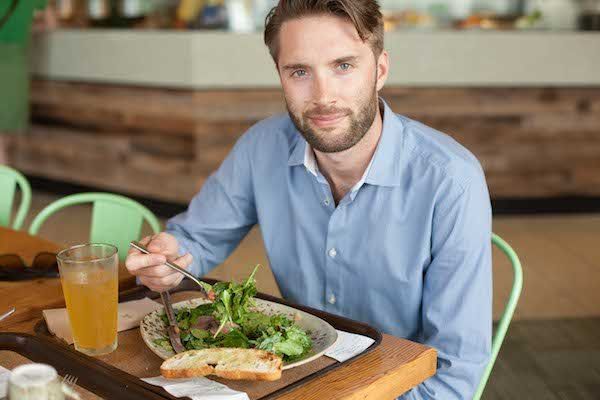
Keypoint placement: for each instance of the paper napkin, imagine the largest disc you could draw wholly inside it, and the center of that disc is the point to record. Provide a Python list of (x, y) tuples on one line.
[(130, 315), (348, 345), (199, 388)]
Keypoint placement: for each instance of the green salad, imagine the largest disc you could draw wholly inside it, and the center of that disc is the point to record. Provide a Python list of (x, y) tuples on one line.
[(232, 320)]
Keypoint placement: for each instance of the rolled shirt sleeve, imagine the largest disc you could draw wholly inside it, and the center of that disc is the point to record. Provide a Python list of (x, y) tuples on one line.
[(220, 215)]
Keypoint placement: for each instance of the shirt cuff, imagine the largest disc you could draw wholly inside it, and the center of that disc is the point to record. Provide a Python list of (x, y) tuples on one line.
[(187, 246)]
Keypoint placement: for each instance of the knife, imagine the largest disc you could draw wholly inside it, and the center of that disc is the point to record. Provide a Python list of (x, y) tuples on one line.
[(172, 328)]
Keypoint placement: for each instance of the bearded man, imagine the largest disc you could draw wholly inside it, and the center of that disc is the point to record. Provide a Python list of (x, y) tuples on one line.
[(364, 213)]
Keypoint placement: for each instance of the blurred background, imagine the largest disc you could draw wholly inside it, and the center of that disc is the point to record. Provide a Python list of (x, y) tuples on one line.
[(145, 98)]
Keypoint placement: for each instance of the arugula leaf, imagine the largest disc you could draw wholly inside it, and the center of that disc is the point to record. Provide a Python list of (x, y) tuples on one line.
[(184, 324), (232, 300), (200, 333), (288, 347), (233, 304), (200, 311), (289, 342), (254, 322), (267, 342), (294, 333), (234, 338), (164, 343)]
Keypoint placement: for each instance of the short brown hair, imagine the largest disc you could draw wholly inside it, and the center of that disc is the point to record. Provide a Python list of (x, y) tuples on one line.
[(364, 14)]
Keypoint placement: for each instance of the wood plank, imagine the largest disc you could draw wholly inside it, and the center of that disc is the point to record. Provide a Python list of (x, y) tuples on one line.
[(531, 142), (373, 376), (490, 101), (109, 162)]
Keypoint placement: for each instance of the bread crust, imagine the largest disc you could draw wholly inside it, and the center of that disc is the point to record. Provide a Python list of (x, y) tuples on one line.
[(248, 375), (186, 372), (204, 363)]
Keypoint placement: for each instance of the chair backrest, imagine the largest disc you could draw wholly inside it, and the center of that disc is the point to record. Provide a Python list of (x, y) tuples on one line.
[(509, 310), (9, 180), (116, 219)]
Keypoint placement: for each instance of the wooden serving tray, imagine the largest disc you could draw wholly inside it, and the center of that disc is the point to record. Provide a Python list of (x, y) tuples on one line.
[(133, 359), (100, 378)]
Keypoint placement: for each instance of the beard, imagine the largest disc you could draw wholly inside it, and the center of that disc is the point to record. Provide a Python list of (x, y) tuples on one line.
[(322, 139)]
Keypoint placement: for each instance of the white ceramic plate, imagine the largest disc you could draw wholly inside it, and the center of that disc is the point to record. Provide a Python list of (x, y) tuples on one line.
[(323, 335)]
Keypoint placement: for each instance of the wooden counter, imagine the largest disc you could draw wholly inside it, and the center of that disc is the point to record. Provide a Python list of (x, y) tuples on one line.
[(532, 142)]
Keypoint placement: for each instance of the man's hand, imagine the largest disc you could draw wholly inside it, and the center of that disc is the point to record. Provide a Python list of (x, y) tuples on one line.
[(151, 268)]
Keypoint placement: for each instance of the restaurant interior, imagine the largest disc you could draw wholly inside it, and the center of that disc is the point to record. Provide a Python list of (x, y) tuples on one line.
[(145, 99)]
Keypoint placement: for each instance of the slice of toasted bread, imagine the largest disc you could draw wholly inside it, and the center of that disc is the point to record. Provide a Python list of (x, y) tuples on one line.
[(229, 363)]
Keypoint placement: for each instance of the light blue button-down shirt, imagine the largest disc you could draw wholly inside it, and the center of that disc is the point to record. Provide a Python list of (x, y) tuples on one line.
[(406, 250)]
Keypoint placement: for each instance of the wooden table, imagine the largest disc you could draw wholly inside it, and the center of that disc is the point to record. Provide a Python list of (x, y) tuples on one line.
[(31, 297), (394, 367)]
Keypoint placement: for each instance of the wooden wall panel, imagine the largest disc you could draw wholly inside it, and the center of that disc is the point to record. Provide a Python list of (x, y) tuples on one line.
[(163, 143)]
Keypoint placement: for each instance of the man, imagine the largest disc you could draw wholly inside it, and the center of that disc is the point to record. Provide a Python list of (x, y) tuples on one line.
[(364, 213)]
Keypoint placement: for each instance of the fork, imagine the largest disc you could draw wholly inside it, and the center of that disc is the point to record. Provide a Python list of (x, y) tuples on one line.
[(70, 380), (68, 383)]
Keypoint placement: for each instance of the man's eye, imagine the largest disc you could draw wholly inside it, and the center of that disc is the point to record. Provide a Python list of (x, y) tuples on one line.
[(345, 66), (299, 73)]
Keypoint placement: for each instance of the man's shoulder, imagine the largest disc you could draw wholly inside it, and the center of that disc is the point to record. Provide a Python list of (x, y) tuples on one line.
[(437, 150)]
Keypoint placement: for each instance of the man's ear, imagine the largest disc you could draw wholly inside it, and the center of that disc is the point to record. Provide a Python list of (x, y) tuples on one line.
[(383, 68)]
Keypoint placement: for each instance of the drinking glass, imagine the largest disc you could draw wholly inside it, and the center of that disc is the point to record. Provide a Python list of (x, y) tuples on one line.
[(89, 276)]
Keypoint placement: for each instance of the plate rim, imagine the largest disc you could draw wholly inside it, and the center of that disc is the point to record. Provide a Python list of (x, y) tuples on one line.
[(181, 304)]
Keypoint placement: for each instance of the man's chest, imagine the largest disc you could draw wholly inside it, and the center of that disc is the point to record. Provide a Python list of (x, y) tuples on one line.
[(378, 231)]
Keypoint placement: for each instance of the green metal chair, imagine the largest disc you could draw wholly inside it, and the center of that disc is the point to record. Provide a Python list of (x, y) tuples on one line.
[(509, 310), (115, 219), (9, 180)]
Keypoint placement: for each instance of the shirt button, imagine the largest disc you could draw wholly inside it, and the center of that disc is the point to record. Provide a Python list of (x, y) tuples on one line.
[(331, 298), (332, 252), (326, 202)]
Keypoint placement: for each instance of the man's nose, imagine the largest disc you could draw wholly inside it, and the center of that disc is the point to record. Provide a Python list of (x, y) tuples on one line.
[(324, 91)]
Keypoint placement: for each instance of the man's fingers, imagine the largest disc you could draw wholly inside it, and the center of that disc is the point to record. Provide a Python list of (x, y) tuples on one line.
[(143, 242), (163, 243), (135, 262), (156, 271), (160, 278), (163, 283), (147, 240), (184, 261)]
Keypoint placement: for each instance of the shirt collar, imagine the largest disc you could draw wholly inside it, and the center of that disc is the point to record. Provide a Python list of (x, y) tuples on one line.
[(384, 167), (310, 162)]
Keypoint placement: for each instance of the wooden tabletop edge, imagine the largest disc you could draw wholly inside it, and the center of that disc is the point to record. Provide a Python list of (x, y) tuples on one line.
[(401, 379)]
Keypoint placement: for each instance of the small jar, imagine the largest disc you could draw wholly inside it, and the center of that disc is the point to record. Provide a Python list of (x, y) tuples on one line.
[(35, 382)]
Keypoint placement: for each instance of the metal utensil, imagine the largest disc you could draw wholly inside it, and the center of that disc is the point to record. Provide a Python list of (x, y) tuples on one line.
[(68, 387), (140, 247), (8, 313), (172, 329), (70, 380)]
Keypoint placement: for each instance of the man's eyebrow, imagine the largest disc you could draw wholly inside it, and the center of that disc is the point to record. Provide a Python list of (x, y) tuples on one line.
[(346, 59), (339, 60), (294, 66)]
